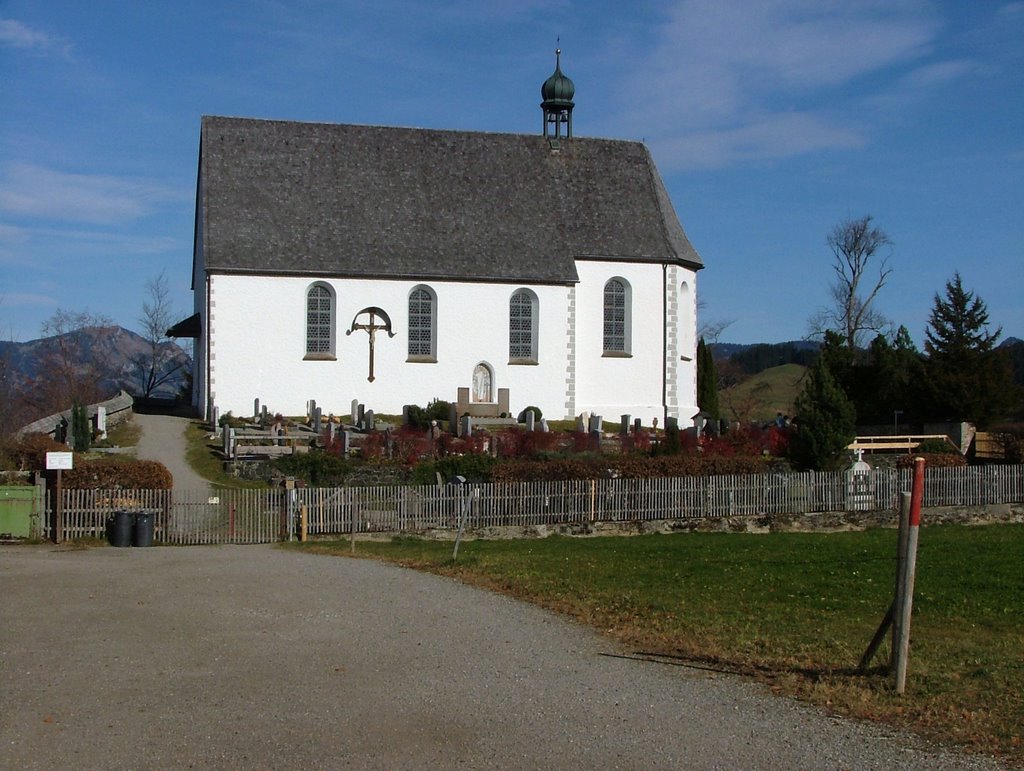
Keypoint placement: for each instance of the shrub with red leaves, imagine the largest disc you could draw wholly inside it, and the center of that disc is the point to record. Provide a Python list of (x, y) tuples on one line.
[(118, 474), (28, 452)]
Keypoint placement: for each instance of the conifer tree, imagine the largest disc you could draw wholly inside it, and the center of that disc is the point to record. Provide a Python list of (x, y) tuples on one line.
[(890, 381), (967, 377), (707, 381), (825, 420), (81, 429)]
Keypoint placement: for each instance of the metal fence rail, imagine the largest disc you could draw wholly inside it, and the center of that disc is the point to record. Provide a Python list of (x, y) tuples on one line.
[(261, 516)]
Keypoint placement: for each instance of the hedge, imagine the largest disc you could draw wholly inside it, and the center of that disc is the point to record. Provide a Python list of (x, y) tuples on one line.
[(932, 460), (117, 474)]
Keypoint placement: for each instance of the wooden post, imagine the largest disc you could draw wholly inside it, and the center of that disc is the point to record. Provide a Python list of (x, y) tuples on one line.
[(303, 523), (462, 520), (901, 558), (905, 602), (58, 511), (892, 614), (353, 528)]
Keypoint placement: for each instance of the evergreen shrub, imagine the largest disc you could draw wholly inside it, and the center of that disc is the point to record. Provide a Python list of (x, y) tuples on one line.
[(81, 428)]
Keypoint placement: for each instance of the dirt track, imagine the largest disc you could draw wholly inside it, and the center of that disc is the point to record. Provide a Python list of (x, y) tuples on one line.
[(256, 657)]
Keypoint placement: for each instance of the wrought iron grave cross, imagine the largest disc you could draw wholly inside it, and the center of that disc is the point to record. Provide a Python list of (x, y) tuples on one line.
[(371, 326)]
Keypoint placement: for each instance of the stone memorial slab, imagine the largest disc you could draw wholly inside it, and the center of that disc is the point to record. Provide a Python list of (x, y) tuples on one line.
[(101, 421)]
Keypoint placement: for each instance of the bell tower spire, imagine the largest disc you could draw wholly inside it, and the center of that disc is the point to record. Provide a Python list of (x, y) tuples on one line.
[(557, 93)]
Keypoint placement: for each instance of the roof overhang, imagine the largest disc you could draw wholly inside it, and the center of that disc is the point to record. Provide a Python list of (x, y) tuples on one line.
[(190, 327)]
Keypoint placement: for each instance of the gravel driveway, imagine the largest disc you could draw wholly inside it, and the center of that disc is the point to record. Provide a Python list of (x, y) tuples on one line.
[(256, 657)]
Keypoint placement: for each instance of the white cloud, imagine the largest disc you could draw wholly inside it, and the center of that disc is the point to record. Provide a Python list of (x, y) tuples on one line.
[(10, 234), (15, 34), (772, 136), (117, 242), (35, 191), (938, 73), (738, 80), (1013, 10), (21, 299)]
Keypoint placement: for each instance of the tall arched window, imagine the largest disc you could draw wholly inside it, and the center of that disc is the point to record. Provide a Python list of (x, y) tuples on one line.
[(687, 323), (422, 324), (522, 327), (320, 322), (617, 313)]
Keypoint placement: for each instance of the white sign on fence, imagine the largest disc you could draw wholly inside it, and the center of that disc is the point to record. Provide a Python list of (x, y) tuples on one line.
[(63, 461)]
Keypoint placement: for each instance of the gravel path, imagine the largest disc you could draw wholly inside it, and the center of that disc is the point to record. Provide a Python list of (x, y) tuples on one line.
[(163, 439), (258, 657)]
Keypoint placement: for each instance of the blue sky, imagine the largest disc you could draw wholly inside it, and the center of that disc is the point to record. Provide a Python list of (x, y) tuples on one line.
[(770, 121)]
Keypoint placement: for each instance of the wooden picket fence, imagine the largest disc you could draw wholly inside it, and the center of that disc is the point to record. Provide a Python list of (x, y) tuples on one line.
[(260, 516)]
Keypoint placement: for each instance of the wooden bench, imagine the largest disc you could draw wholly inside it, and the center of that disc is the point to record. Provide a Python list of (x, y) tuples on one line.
[(907, 443)]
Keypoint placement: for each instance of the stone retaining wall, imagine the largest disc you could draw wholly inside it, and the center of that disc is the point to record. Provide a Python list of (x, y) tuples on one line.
[(824, 522), (119, 408)]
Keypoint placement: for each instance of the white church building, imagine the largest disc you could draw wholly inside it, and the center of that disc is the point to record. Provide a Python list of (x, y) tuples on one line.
[(398, 265)]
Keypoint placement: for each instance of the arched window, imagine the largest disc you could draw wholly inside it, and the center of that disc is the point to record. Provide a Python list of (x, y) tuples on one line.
[(522, 327), (320, 308), (617, 312), (422, 324), (687, 324)]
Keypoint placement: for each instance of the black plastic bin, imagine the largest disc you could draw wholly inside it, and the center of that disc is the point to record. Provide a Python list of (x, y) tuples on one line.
[(119, 529), (142, 529)]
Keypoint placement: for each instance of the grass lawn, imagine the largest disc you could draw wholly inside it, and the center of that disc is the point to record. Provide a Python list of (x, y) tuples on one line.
[(765, 394), (202, 454), (796, 610), (124, 434)]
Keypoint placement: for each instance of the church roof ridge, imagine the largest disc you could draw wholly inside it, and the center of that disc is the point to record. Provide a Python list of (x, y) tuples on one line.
[(209, 118)]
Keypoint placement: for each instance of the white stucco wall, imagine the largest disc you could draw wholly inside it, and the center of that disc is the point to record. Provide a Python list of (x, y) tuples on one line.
[(612, 386), (258, 346), (685, 283)]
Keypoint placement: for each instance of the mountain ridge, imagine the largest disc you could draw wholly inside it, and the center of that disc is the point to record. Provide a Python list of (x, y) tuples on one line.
[(115, 351)]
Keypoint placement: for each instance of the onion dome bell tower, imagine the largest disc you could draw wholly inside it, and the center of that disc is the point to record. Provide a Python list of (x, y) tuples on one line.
[(557, 93)]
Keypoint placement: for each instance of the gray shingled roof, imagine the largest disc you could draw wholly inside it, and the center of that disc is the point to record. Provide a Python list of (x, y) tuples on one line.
[(326, 199)]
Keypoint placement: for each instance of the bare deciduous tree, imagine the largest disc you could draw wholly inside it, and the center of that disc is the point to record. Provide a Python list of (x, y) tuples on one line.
[(12, 404), (76, 361), (157, 365), (854, 243)]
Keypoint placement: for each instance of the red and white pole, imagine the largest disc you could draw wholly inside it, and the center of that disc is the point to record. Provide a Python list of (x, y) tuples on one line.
[(905, 602)]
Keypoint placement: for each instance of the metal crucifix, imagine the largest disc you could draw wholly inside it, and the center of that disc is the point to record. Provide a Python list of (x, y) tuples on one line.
[(371, 326)]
